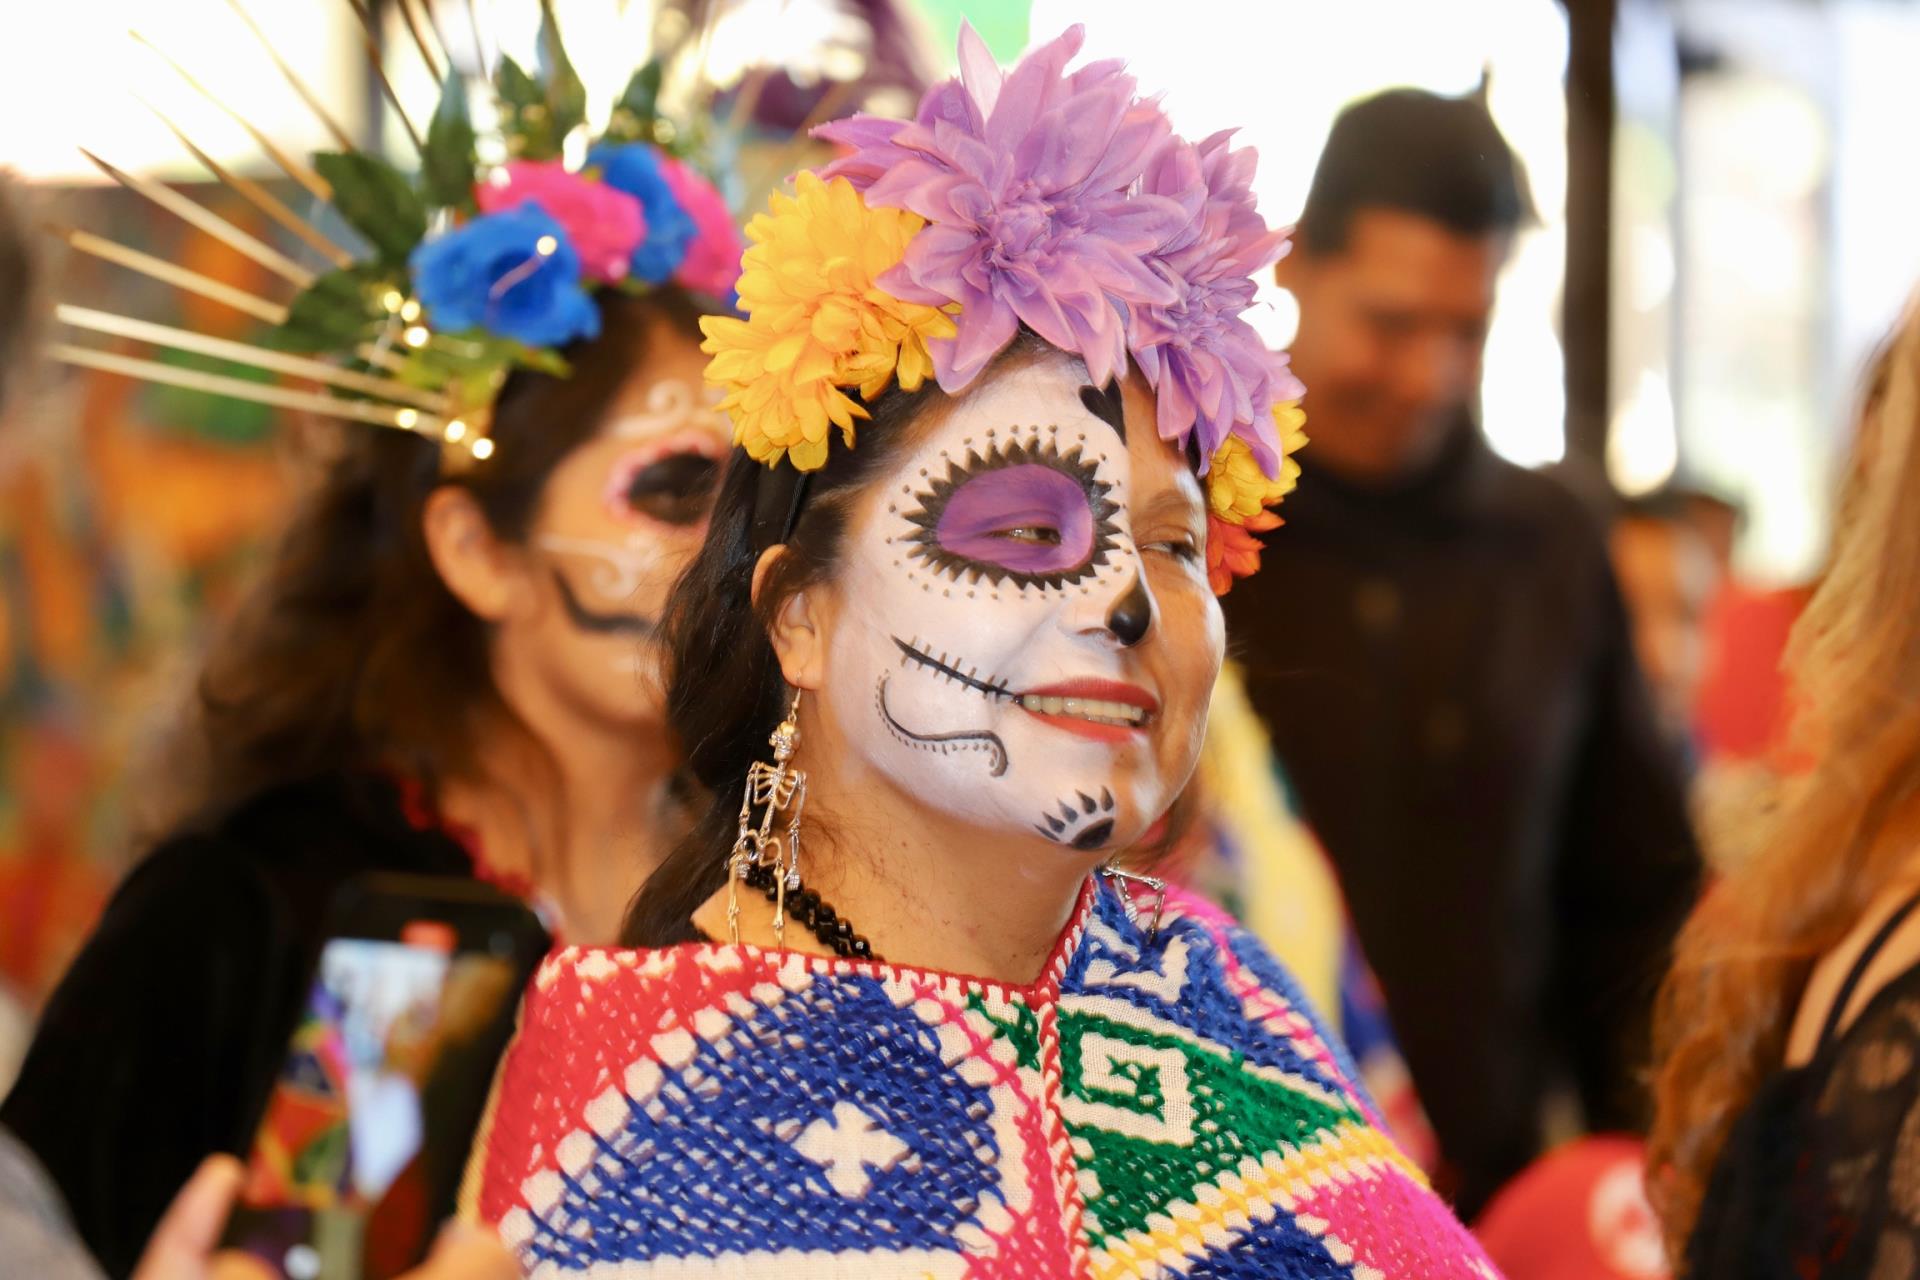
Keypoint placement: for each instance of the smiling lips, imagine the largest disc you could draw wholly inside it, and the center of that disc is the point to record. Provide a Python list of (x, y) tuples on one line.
[(1105, 710)]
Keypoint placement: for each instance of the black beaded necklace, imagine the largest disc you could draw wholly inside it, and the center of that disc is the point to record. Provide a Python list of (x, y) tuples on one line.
[(807, 907)]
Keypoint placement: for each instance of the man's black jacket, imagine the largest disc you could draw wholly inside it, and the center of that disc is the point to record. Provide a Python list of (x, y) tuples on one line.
[(1446, 671)]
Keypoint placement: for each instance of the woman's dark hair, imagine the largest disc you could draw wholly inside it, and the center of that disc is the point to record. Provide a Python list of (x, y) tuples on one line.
[(22, 273), (725, 690), (352, 653)]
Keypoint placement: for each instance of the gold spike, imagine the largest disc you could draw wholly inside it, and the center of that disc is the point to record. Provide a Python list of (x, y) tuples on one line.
[(179, 277), (245, 353), (259, 197), (290, 166), (211, 223), (340, 136), (747, 99), (382, 355), (839, 95), (370, 35), (420, 41), (479, 39), (439, 35), (703, 42), (400, 417)]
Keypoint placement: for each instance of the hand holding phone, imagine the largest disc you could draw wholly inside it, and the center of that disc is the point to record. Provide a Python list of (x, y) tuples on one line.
[(182, 1245), (359, 1155)]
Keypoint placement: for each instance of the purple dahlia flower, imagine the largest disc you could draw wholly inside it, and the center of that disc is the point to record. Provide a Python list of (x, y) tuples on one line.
[(1209, 370), (1030, 184)]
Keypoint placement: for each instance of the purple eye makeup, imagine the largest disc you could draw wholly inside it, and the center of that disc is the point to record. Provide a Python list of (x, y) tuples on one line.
[(1023, 513)]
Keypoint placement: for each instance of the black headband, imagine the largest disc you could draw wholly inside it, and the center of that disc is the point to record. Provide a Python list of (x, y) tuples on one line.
[(778, 496)]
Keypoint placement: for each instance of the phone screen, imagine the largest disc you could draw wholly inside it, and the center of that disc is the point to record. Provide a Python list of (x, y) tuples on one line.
[(372, 1115)]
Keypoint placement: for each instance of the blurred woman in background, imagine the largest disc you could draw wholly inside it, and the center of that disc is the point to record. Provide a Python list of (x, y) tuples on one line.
[(439, 675), (448, 668), (1789, 1031)]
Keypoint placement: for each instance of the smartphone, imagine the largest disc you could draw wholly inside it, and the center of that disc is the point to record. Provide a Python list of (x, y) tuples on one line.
[(366, 1131)]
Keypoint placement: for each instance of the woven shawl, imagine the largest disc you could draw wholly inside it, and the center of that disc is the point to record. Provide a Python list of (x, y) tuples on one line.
[(1142, 1109)]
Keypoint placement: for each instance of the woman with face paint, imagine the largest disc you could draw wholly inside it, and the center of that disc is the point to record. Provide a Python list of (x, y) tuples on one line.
[(449, 667), (945, 651)]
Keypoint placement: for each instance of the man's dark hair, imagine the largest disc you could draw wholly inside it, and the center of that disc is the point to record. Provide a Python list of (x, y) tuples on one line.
[(1407, 149), (20, 271)]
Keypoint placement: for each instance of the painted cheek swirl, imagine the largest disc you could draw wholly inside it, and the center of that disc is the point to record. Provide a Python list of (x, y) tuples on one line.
[(1023, 513)]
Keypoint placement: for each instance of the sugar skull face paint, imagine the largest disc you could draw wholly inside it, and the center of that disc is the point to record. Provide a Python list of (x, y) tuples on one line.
[(1024, 638), (619, 518), (657, 492)]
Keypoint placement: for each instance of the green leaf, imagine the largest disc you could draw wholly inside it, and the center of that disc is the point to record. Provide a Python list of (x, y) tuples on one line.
[(566, 95), (638, 107), (473, 365), (377, 200), (447, 166), (337, 311), (528, 121), (542, 359), (516, 88)]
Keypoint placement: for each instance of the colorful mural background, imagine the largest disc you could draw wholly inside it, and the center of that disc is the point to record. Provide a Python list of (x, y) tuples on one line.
[(130, 517)]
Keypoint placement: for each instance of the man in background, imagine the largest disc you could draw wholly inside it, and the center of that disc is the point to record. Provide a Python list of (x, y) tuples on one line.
[(1668, 575), (1437, 646)]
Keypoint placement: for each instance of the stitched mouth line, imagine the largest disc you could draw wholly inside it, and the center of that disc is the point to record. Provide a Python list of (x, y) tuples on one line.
[(915, 651), (1093, 710)]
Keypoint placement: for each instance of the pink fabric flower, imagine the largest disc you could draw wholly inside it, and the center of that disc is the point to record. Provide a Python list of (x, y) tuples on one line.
[(712, 264), (1209, 370), (603, 225), (1029, 183)]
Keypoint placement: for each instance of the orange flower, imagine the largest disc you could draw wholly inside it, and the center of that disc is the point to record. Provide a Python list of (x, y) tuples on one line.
[(1233, 550)]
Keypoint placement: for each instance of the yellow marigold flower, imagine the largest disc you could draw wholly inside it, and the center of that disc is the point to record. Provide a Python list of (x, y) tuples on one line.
[(1237, 489), (817, 325)]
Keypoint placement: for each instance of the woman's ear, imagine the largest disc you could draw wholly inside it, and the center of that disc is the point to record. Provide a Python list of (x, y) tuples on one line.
[(799, 632), (484, 573)]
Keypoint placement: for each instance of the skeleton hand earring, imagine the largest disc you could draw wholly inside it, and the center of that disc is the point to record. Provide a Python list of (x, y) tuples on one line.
[(1124, 881)]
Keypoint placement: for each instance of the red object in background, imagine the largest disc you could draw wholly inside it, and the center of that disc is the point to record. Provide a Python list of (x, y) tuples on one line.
[(1579, 1213), (1744, 707), (396, 1226), (430, 935)]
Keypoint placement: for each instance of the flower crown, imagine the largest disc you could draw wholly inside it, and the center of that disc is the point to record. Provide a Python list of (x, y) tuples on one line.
[(457, 273), (1057, 201)]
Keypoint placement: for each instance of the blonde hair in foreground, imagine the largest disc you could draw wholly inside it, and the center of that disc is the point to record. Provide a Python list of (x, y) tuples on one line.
[(1830, 839)]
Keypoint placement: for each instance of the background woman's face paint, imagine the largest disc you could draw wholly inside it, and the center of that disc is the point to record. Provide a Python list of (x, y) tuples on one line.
[(977, 658), (619, 518), (675, 489), (659, 492), (670, 476)]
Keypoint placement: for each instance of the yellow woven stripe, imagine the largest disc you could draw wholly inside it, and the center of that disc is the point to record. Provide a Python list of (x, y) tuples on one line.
[(1351, 1149)]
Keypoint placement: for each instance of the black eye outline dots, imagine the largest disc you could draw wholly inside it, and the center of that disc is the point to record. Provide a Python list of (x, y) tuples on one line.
[(925, 518)]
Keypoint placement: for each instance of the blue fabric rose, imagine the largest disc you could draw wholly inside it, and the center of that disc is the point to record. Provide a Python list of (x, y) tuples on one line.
[(489, 274), (634, 168)]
